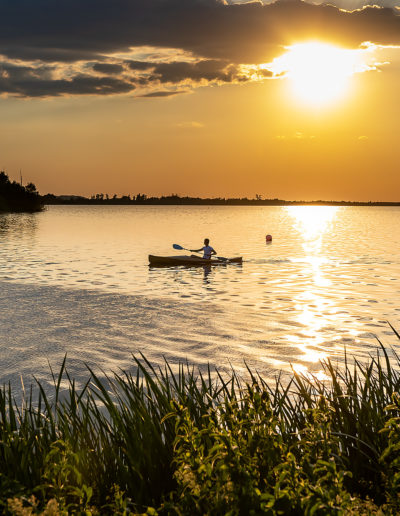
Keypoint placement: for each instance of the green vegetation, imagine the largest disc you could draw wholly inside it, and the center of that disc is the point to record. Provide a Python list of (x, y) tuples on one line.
[(15, 197), (155, 442)]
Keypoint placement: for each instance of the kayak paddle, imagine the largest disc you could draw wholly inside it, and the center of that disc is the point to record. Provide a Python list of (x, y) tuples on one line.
[(180, 248)]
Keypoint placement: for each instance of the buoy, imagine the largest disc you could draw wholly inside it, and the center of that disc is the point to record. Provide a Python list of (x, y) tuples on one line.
[(268, 238)]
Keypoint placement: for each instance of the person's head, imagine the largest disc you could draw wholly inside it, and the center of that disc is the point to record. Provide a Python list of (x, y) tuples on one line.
[(206, 241)]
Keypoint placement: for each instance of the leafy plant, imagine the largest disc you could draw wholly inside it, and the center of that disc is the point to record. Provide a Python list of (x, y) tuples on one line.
[(157, 442)]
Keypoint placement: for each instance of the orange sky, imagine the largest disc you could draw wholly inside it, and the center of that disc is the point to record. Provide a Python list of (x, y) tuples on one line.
[(222, 135)]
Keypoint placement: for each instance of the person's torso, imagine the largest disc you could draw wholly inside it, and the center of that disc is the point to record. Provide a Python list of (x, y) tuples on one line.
[(207, 250)]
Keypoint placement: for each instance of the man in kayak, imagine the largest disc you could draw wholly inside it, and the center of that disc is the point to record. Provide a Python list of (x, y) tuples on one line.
[(207, 250)]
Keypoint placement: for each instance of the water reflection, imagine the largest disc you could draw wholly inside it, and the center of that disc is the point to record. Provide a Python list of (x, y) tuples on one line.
[(13, 224), (184, 274), (314, 223), (206, 275)]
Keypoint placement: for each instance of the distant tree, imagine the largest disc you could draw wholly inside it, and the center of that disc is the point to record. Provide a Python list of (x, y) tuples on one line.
[(15, 197), (31, 188), (140, 197)]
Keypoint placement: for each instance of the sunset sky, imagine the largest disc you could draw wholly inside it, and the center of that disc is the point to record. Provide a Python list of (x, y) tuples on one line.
[(291, 99)]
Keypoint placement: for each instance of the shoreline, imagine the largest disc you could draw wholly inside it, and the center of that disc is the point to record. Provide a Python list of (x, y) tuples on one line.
[(211, 202)]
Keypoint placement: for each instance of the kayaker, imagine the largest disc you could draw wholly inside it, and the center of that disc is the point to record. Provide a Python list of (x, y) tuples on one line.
[(207, 250)]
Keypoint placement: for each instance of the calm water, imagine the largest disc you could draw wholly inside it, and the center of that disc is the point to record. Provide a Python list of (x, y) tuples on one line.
[(76, 280)]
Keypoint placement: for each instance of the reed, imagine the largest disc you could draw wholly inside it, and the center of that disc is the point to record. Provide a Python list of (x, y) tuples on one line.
[(192, 443)]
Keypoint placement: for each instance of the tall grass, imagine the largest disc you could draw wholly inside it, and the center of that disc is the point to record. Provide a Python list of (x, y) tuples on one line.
[(193, 443)]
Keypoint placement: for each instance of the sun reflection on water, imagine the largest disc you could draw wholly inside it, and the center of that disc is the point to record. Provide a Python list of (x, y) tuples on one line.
[(313, 223)]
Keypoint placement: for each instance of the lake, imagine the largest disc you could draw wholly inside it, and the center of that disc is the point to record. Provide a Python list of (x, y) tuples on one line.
[(75, 280)]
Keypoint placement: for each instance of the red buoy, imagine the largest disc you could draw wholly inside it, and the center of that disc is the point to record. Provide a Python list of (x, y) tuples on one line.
[(268, 238)]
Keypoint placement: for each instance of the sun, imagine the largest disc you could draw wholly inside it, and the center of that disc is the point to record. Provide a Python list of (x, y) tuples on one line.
[(318, 72)]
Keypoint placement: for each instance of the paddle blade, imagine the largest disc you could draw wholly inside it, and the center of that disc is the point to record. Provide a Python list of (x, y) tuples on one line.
[(177, 246)]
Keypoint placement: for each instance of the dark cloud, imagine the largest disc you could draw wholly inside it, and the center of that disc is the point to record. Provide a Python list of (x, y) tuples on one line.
[(161, 94), (40, 80), (108, 68), (219, 71), (140, 65), (242, 33), (221, 35), (27, 81), (50, 55), (203, 70), (266, 73)]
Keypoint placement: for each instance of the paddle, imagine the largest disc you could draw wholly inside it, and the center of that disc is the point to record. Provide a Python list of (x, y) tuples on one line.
[(180, 248)]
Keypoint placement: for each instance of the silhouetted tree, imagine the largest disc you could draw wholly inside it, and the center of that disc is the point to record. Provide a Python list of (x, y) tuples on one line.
[(15, 197), (31, 188)]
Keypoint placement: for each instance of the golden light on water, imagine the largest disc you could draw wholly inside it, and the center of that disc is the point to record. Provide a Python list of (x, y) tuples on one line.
[(312, 221), (312, 305), (319, 73)]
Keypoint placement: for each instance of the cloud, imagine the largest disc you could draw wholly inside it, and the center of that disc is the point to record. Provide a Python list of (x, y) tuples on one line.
[(190, 125), (352, 5), (238, 32), (153, 94), (295, 136), (219, 38), (203, 70), (140, 65), (103, 78), (108, 68), (40, 81)]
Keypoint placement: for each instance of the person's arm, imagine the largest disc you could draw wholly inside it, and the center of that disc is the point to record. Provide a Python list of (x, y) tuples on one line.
[(196, 250), (213, 251)]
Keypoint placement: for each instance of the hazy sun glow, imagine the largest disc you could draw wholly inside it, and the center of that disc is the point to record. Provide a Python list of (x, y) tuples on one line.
[(319, 72)]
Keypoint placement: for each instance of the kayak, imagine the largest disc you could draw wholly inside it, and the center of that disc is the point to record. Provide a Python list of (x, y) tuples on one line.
[(189, 260)]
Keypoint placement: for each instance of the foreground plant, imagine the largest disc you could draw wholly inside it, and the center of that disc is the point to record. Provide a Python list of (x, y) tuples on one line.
[(155, 442)]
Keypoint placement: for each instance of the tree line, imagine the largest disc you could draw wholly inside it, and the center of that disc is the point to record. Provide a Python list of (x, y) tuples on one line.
[(16, 197), (175, 199)]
